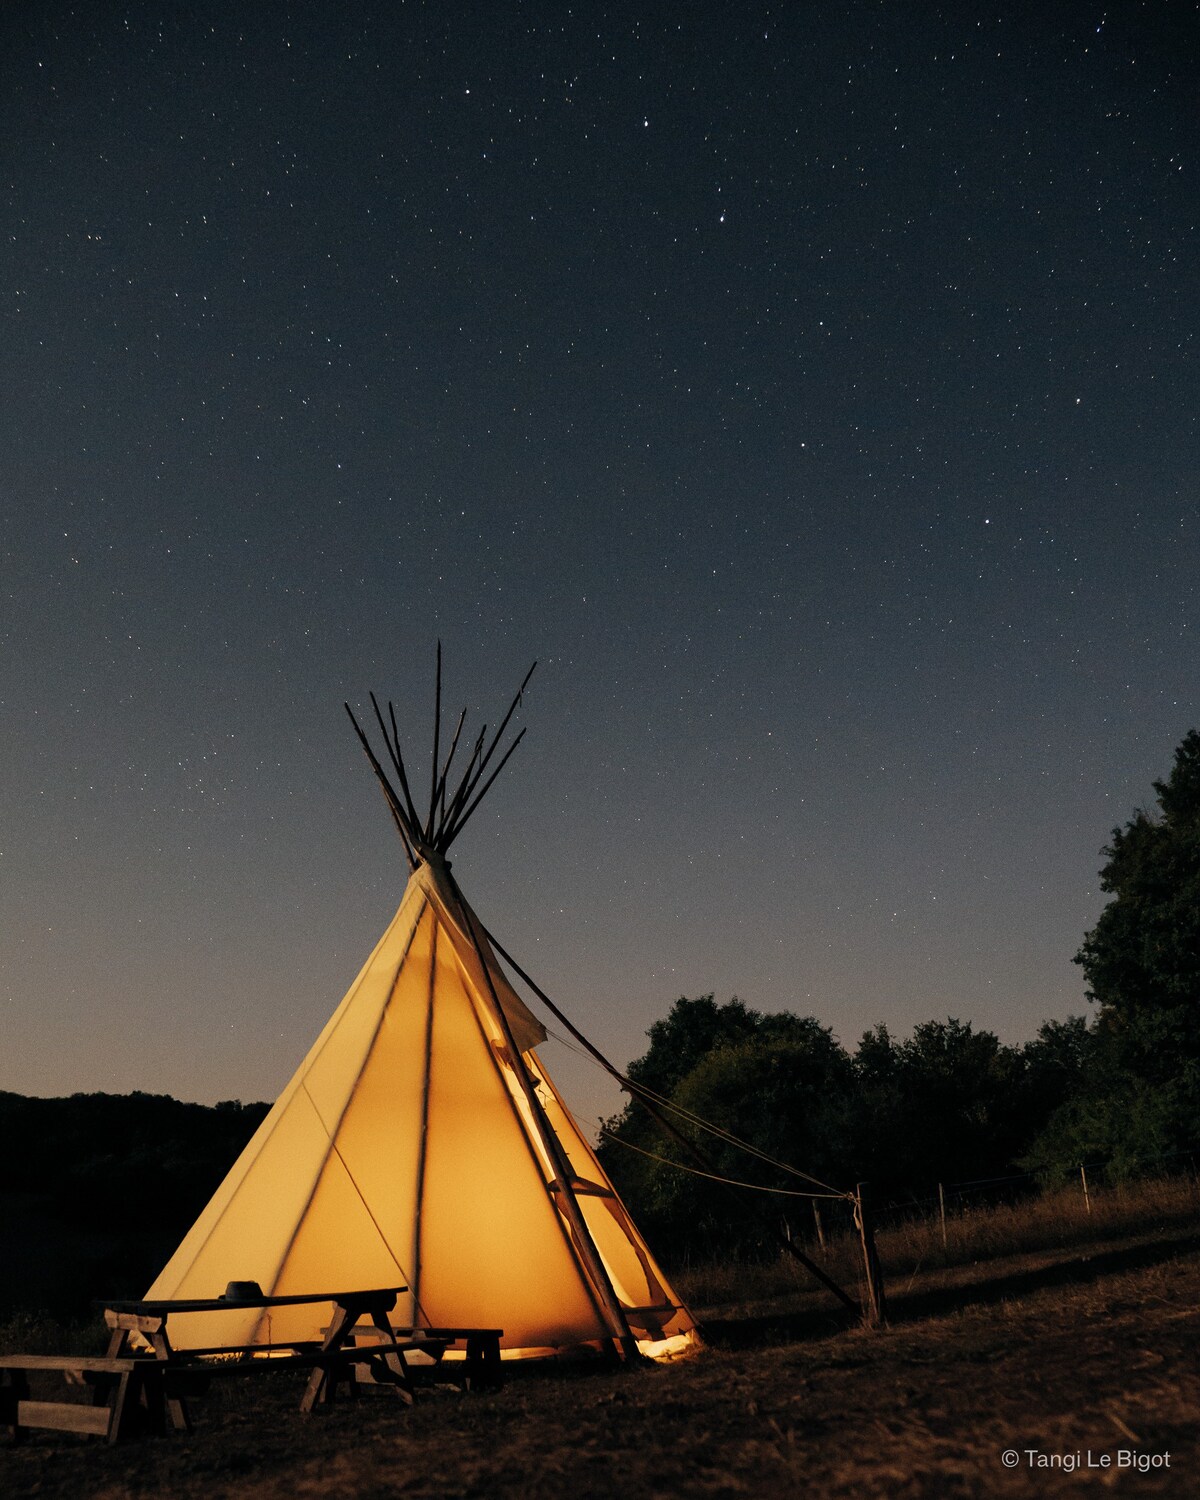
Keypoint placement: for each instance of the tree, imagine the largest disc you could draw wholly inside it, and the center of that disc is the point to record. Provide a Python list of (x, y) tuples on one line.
[(781, 1082), (1141, 961), (690, 1031), (1062, 1064), (941, 1106)]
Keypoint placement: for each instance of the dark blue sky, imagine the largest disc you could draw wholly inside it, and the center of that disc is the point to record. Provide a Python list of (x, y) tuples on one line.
[(812, 390)]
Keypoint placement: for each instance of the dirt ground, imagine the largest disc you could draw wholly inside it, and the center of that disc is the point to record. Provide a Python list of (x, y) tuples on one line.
[(1085, 1360)]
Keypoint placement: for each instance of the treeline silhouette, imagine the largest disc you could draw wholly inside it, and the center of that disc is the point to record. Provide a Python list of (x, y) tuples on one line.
[(947, 1104), (96, 1190)]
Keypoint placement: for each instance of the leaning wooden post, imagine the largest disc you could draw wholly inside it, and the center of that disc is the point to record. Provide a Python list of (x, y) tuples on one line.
[(1087, 1197), (875, 1310), (942, 1214), (820, 1226)]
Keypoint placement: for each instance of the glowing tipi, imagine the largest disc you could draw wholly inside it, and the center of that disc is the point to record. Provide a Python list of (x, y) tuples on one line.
[(422, 1142)]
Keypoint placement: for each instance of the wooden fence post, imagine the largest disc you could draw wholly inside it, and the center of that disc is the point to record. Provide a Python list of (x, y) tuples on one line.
[(875, 1310), (942, 1214), (820, 1226), (1087, 1197)]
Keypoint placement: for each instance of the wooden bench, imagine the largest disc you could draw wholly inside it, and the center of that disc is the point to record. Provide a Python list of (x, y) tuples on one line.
[(479, 1367), (125, 1395)]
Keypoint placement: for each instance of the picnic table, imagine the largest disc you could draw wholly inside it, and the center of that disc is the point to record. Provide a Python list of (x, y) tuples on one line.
[(137, 1387), (330, 1361)]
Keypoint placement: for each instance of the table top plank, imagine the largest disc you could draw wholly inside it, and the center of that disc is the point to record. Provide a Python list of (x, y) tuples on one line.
[(162, 1307)]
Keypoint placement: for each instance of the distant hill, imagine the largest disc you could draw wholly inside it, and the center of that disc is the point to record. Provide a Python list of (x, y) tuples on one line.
[(96, 1190)]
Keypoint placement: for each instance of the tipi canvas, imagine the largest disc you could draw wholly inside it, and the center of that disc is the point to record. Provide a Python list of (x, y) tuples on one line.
[(422, 1143)]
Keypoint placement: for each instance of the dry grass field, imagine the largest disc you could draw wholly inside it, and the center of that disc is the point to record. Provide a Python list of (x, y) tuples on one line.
[(1079, 1357)]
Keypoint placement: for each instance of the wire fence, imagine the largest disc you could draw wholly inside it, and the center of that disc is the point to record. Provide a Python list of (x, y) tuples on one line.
[(1015, 1187), (989, 1216)]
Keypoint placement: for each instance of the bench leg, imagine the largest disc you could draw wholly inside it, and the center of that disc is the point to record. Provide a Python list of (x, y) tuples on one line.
[(123, 1408), (172, 1403), (481, 1367), (177, 1410), (14, 1388), (322, 1383), (320, 1390), (397, 1365), (391, 1370)]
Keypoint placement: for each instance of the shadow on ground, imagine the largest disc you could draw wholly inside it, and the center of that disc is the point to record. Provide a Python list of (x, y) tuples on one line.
[(910, 1307)]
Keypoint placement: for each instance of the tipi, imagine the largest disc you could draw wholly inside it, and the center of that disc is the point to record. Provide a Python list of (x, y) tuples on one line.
[(422, 1142)]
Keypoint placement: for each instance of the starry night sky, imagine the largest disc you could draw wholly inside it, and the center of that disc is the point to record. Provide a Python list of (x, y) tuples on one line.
[(811, 389)]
